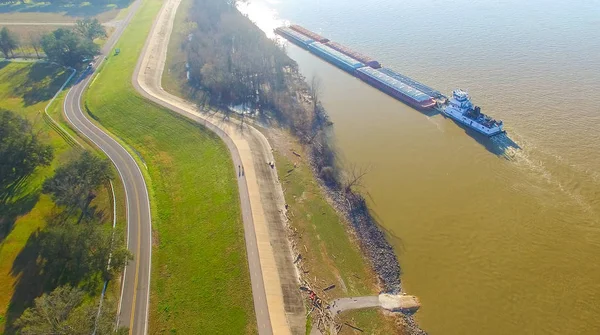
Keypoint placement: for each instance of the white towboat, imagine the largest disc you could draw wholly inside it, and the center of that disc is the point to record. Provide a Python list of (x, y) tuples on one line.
[(461, 109)]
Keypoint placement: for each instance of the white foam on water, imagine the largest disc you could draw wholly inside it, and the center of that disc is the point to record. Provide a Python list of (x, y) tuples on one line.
[(522, 158)]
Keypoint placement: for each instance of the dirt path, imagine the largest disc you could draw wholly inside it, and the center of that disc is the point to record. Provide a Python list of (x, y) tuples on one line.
[(278, 305)]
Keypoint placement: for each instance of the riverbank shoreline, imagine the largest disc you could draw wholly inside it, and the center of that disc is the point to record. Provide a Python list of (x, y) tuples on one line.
[(360, 227), (373, 242), (349, 203)]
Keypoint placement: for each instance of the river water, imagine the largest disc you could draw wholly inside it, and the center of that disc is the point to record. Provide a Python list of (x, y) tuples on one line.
[(495, 236)]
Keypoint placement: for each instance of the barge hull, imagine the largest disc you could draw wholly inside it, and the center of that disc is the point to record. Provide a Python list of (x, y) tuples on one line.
[(411, 82), (354, 54), (309, 33), (427, 104), (294, 37), (334, 57), (399, 89)]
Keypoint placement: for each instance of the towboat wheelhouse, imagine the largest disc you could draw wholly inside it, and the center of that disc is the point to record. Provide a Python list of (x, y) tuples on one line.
[(461, 109)]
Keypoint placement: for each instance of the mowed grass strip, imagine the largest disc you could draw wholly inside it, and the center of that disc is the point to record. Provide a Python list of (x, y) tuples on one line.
[(200, 280), (26, 88)]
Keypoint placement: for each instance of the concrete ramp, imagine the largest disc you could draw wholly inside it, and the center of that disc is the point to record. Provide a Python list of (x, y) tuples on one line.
[(399, 303), (407, 304)]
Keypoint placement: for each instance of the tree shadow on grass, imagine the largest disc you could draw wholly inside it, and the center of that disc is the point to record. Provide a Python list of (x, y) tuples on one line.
[(43, 80), (3, 63), (10, 212), (41, 266), (14, 204), (31, 282), (73, 10)]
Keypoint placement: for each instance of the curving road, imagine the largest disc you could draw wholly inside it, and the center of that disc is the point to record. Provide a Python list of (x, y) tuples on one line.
[(133, 306)]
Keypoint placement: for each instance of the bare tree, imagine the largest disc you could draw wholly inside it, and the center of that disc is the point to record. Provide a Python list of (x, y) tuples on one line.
[(315, 91), (353, 178), (22, 51), (242, 120), (36, 43), (319, 117), (9, 41), (90, 28)]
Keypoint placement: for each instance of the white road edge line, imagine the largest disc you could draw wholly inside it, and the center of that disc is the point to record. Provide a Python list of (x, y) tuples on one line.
[(127, 19), (54, 98), (147, 202), (122, 179)]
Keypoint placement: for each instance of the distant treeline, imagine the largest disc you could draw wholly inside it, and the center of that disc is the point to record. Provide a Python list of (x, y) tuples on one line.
[(67, 47), (233, 63), (66, 2)]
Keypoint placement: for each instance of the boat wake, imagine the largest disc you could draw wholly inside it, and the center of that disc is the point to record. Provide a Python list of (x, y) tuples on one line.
[(551, 170), (500, 145)]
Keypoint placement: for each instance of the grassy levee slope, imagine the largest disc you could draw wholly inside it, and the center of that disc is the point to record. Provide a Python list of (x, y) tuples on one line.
[(26, 88), (200, 281)]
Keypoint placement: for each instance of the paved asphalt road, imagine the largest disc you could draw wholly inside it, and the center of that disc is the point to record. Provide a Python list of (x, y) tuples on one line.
[(133, 307)]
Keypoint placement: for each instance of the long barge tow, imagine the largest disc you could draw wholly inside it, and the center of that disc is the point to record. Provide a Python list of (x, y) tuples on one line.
[(411, 92)]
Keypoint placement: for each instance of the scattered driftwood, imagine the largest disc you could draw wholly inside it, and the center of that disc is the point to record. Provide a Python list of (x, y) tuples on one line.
[(329, 288), (297, 154), (355, 328)]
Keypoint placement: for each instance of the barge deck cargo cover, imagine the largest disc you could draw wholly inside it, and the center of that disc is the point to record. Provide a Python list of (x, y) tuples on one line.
[(294, 37), (395, 88), (309, 33), (411, 82), (335, 57), (354, 54)]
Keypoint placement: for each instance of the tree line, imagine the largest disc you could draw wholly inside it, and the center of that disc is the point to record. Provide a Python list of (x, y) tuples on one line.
[(68, 2), (76, 244), (233, 62), (67, 47)]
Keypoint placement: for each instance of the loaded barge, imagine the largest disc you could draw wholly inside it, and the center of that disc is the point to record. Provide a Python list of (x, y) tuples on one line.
[(399, 86)]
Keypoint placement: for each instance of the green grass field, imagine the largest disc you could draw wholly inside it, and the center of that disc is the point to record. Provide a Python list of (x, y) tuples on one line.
[(26, 88), (200, 280)]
